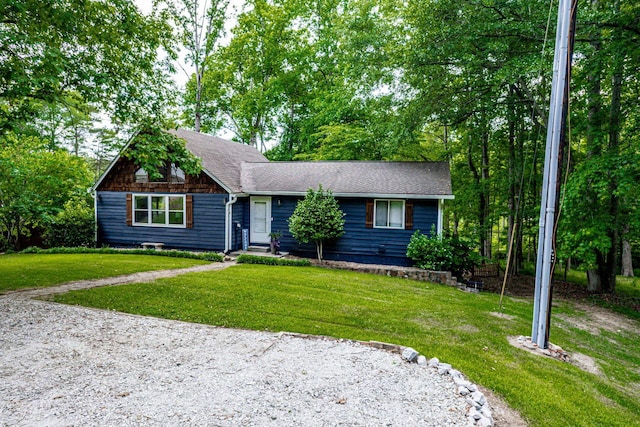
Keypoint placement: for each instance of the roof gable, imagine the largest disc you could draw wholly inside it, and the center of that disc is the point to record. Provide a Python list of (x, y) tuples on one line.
[(221, 158)]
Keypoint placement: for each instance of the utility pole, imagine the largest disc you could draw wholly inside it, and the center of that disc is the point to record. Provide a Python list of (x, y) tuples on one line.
[(550, 188)]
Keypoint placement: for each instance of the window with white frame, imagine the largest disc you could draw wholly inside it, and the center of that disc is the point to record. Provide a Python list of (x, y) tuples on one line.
[(159, 210), (389, 214)]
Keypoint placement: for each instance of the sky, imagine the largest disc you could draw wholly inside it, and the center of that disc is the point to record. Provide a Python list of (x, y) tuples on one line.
[(146, 6)]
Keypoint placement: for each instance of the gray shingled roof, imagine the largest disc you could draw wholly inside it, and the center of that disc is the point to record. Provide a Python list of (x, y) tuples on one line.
[(359, 178), (222, 159), (242, 169)]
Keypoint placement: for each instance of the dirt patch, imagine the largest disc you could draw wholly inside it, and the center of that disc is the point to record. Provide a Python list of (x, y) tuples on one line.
[(468, 328), (595, 319), (608, 320), (586, 363), (503, 415), (502, 315), (582, 361), (524, 286)]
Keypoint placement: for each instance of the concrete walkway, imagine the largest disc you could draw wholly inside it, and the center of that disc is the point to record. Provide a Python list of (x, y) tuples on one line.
[(146, 276)]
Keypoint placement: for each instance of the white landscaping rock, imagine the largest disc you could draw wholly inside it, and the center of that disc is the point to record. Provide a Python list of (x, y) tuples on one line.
[(410, 355)]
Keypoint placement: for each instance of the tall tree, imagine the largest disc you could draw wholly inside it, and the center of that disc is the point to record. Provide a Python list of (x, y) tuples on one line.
[(200, 26), (599, 193), (105, 51)]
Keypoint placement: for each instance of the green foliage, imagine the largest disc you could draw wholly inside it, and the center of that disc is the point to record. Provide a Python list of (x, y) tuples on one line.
[(439, 321), (105, 51), (266, 260), (153, 149), (587, 224), (317, 218), (204, 256), (72, 227), (33, 185), (441, 253)]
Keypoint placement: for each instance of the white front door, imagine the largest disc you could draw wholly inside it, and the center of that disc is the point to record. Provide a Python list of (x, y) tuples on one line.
[(260, 219)]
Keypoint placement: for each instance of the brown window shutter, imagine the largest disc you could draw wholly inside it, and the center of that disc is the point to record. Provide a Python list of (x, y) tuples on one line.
[(129, 209), (189, 210), (408, 215), (368, 222)]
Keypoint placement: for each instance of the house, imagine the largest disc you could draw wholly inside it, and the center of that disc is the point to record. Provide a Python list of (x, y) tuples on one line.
[(239, 189)]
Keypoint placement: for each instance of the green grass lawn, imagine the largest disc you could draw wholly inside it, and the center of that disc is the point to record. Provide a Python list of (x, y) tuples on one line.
[(457, 327), (41, 270)]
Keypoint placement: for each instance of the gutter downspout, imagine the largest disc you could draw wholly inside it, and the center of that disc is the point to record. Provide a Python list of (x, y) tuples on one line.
[(228, 222), (94, 195), (440, 217)]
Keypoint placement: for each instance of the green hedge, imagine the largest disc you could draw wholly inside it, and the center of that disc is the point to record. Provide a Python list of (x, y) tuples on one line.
[(205, 256), (266, 260), (72, 227)]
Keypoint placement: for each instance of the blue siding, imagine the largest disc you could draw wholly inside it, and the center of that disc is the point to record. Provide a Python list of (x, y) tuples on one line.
[(239, 216), (358, 244), (207, 232)]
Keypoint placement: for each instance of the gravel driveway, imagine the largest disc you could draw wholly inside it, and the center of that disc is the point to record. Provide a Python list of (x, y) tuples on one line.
[(65, 365)]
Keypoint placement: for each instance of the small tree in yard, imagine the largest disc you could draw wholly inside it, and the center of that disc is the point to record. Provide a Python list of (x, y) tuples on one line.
[(317, 218)]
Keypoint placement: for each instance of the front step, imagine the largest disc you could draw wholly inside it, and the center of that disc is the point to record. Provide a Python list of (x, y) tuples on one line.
[(254, 248)]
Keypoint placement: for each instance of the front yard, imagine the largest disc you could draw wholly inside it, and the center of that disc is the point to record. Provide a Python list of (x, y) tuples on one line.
[(466, 330), (43, 270)]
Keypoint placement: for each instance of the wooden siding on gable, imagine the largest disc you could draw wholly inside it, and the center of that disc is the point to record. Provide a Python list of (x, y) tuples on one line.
[(207, 232), (121, 177)]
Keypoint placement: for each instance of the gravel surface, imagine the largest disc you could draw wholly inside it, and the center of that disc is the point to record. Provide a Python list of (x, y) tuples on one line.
[(65, 365)]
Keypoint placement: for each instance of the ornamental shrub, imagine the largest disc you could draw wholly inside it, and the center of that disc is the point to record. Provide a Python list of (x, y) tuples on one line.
[(265, 260), (317, 218), (438, 253), (205, 256), (74, 226)]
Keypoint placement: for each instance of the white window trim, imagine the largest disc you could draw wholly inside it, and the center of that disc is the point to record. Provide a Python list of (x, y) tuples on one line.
[(375, 213), (166, 210)]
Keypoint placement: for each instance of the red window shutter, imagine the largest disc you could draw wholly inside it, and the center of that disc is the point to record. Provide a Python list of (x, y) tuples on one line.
[(408, 215), (189, 210), (129, 209), (368, 222)]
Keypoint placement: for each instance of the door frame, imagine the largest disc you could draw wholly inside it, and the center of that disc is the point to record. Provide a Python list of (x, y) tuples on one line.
[(261, 237)]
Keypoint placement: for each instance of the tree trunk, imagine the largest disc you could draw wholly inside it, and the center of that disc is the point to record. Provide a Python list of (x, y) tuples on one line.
[(487, 229), (593, 281), (319, 250), (482, 202), (512, 202), (627, 262), (198, 106), (609, 266)]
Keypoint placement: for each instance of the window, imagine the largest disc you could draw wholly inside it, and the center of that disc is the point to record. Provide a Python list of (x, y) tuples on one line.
[(142, 176), (159, 210), (389, 214), (175, 177)]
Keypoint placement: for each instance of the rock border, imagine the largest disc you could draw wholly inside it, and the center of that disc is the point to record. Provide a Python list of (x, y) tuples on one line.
[(479, 411)]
